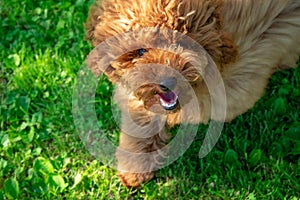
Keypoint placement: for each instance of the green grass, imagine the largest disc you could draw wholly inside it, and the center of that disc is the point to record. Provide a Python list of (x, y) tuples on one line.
[(42, 156)]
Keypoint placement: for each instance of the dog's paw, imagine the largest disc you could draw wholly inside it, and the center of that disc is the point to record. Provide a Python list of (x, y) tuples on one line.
[(135, 179)]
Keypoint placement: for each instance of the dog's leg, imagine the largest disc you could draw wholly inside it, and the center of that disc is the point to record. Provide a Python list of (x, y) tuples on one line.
[(136, 158), (142, 136), (134, 167)]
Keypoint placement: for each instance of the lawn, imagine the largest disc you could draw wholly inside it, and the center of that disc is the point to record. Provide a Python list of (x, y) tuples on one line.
[(42, 156)]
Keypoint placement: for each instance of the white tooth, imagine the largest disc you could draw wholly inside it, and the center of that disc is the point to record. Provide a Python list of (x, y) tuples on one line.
[(167, 105)]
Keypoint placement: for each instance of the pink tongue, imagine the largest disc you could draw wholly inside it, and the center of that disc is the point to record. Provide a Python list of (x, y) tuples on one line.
[(168, 97)]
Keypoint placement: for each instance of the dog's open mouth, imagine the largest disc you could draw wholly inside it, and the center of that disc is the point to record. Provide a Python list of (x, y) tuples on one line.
[(168, 100)]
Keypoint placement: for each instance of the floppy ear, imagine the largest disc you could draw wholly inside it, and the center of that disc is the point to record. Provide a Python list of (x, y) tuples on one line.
[(205, 26), (100, 62), (92, 62)]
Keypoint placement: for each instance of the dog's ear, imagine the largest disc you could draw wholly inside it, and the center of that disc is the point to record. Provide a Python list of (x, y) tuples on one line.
[(205, 26), (99, 62), (92, 63)]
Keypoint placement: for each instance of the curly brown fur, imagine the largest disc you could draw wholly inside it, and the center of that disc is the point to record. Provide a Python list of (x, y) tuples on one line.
[(247, 39)]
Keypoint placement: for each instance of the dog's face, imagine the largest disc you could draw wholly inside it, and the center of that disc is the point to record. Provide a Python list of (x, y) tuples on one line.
[(160, 78), (153, 69)]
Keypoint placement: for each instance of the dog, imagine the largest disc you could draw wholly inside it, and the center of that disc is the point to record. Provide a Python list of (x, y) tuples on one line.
[(150, 54)]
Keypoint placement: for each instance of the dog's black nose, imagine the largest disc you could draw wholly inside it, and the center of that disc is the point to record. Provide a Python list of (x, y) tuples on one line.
[(168, 84)]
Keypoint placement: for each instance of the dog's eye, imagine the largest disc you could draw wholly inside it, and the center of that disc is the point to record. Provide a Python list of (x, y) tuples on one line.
[(141, 52)]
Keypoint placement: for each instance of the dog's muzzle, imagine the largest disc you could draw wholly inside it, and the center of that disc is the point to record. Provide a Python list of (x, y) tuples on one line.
[(168, 98)]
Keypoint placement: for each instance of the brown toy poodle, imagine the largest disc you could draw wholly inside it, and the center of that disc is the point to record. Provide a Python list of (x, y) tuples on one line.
[(151, 55)]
